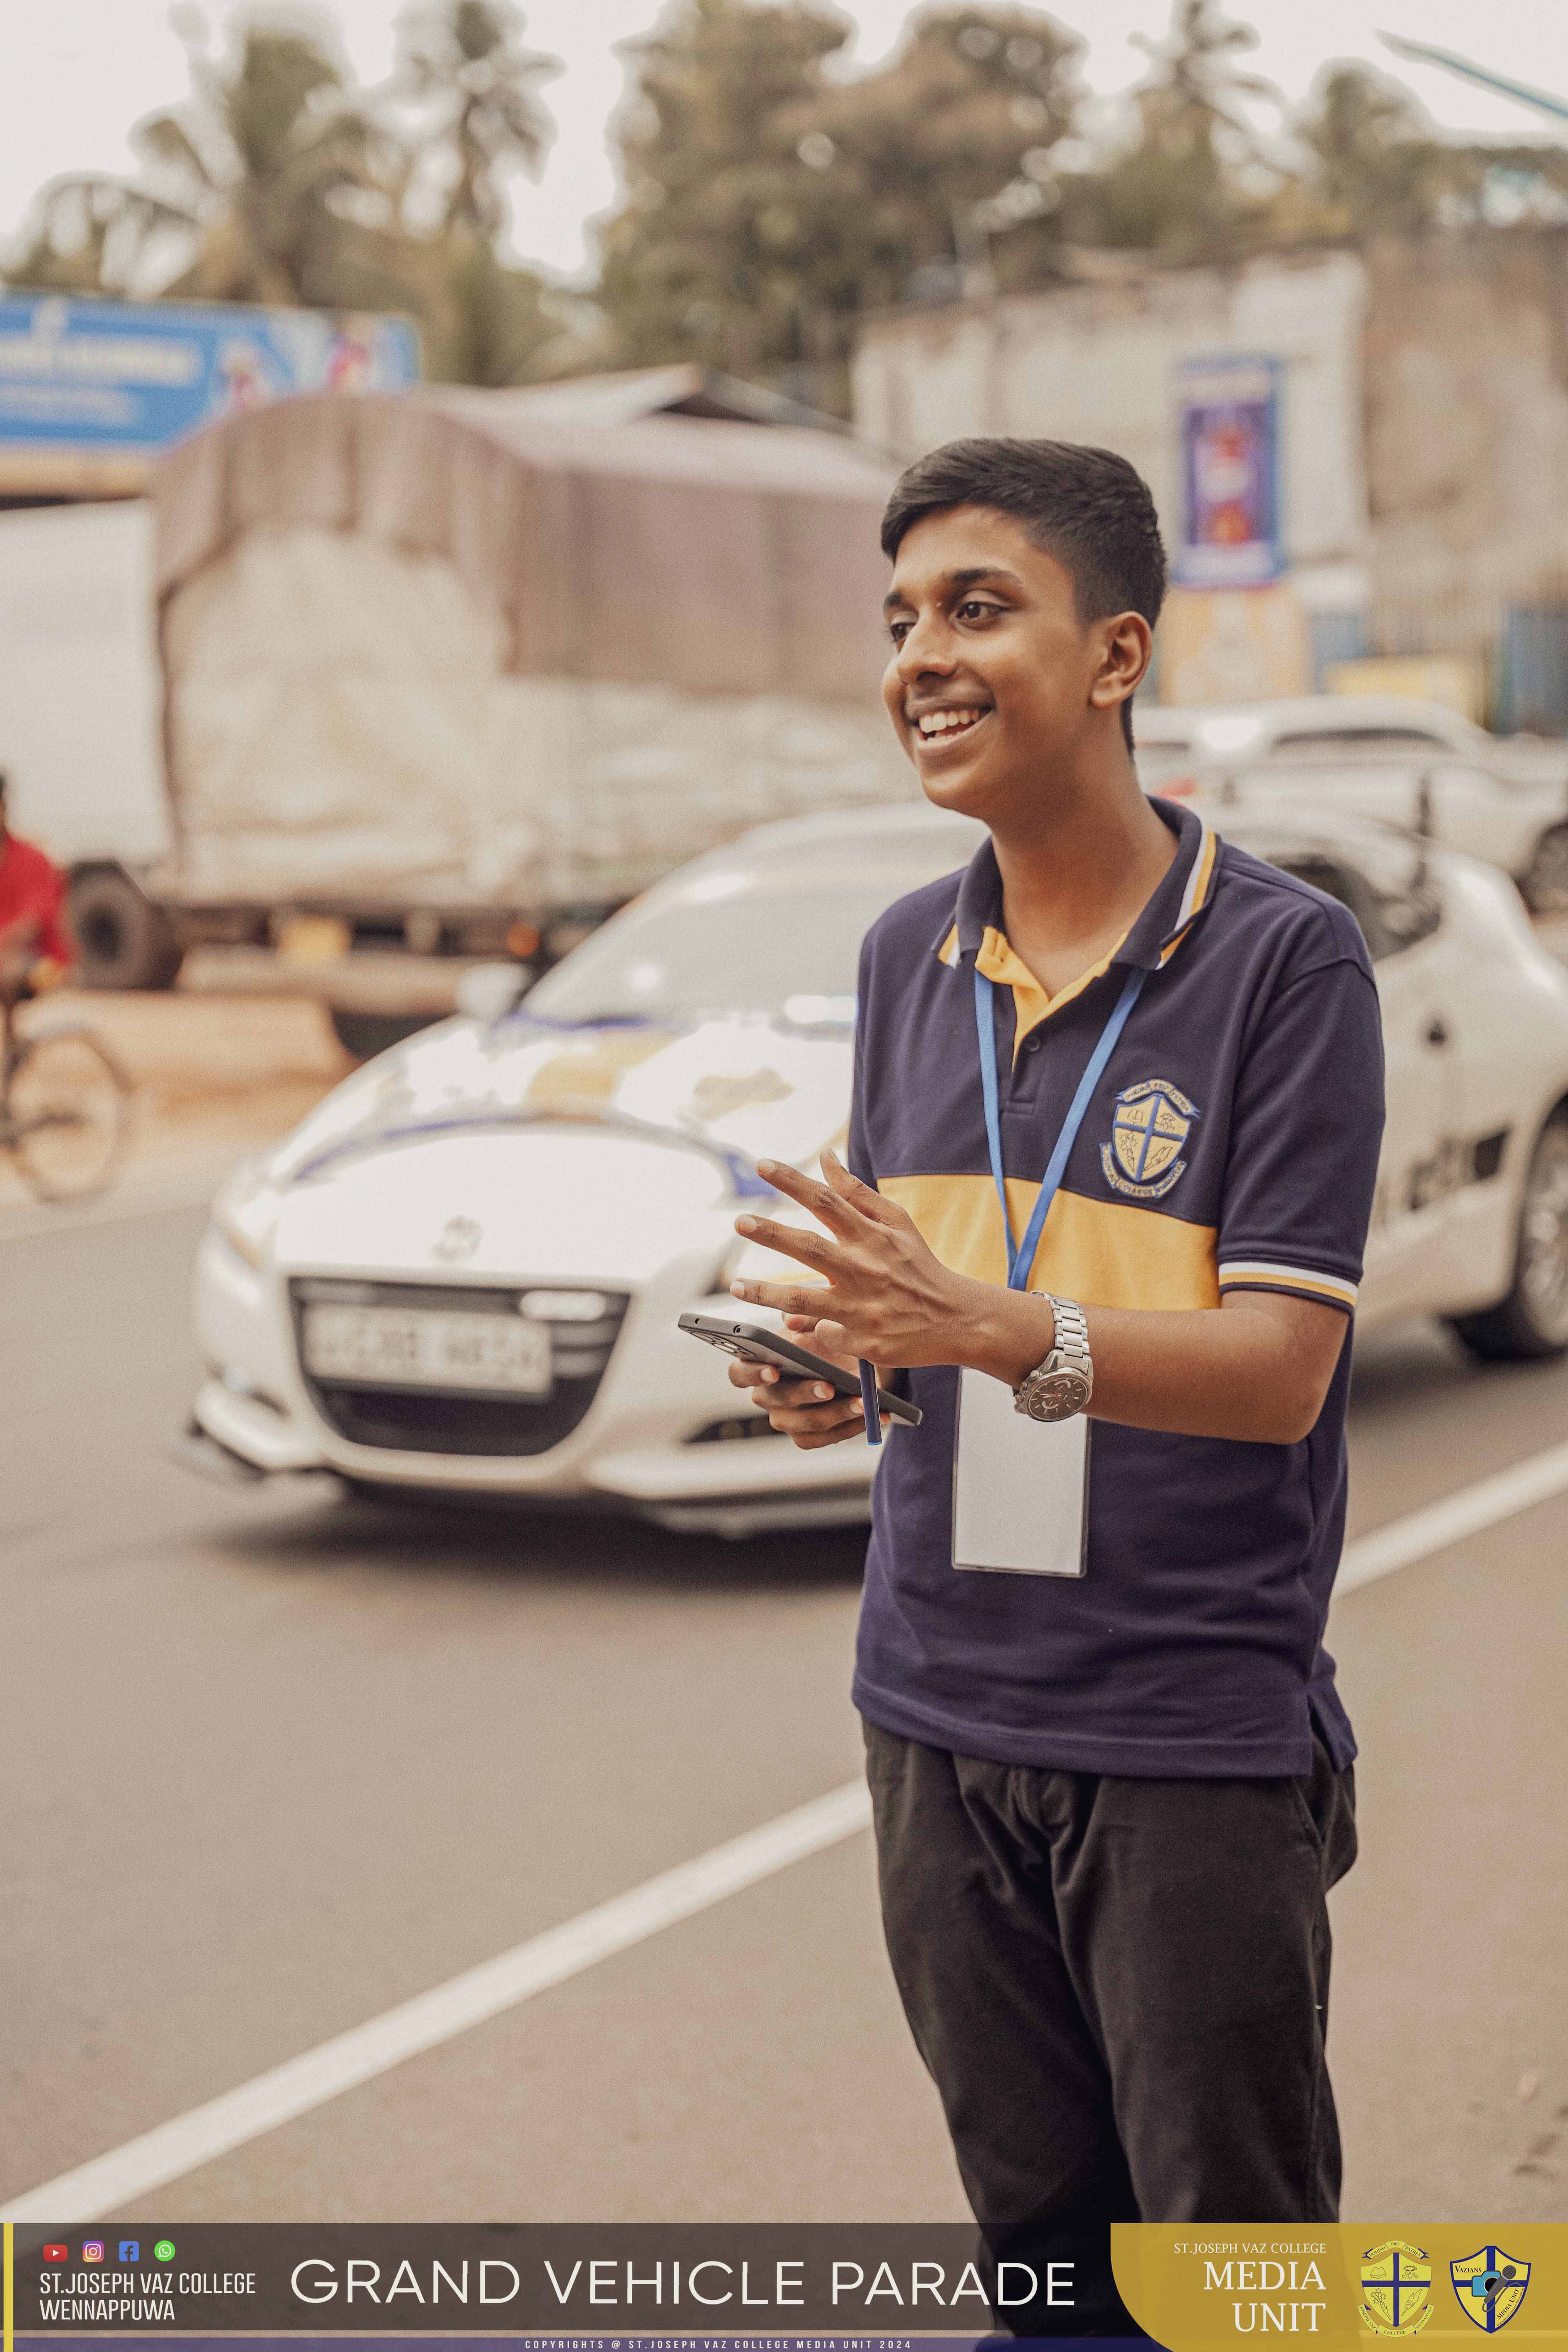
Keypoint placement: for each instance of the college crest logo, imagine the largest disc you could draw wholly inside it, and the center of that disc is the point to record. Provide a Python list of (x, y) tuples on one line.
[(1396, 2289), (1150, 1124), (1490, 2287)]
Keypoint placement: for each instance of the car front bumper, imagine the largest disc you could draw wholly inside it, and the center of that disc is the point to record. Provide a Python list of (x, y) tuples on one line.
[(631, 1452)]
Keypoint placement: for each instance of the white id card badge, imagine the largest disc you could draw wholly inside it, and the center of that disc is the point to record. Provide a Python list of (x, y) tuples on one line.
[(1020, 1487)]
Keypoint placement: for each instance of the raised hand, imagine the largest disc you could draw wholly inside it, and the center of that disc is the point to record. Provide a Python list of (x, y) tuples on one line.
[(887, 1297)]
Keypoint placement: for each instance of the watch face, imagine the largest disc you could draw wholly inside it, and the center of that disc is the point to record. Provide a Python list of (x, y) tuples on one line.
[(1057, 1395)]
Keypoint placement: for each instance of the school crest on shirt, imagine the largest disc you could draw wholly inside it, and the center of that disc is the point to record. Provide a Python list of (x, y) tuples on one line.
[(1151, 1123)]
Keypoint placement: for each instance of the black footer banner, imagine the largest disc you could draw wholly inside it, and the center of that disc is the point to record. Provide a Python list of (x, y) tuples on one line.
[(677, 2283)]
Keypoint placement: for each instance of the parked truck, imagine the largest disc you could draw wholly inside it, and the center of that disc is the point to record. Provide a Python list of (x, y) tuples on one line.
[(443, 672)]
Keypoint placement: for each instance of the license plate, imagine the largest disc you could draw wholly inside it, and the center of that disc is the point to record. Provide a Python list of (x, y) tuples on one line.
[(416, 1348)]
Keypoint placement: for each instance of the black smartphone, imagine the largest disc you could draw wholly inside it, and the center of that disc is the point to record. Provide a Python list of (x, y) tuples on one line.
[(757, 1346)]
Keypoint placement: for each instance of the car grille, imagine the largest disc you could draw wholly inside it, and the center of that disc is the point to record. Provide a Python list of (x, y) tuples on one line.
[(434, 1421), (736, 1430)]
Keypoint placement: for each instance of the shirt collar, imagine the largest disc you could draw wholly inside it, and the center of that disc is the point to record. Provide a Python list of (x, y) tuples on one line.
[(1185, 891)]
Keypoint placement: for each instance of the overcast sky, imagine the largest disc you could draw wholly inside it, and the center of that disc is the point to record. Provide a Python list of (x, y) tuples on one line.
[(78, 73)]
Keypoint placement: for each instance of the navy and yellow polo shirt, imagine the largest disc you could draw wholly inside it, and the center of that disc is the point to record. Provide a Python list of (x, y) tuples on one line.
[(1231, 1144)]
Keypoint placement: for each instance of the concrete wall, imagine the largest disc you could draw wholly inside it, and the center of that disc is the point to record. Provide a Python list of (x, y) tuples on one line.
[(1467, 433), (1095, 361), (1424, 433)]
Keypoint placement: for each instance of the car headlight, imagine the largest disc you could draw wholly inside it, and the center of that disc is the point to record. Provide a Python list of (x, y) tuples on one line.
[(245, 1212)]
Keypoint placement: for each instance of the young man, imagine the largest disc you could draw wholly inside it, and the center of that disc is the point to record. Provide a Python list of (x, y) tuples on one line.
[(1109, 1804)]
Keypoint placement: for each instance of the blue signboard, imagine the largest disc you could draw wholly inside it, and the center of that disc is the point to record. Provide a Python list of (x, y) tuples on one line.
[(132, 377), (1229, 425)]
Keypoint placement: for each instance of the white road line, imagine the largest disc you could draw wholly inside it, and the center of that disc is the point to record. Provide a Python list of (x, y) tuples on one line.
[(1456, 1516), (113, 2181), (117, 2179)]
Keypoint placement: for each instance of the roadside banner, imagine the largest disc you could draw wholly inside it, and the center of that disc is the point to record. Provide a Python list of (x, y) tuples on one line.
[(1228, 428), (100, 381)]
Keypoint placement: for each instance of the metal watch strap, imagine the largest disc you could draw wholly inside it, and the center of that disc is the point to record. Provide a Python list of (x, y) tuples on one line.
[(1070, 1354), (1072, 1334)]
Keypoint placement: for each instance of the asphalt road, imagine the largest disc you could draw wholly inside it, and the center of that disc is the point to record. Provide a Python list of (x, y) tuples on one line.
[(274, 1761)]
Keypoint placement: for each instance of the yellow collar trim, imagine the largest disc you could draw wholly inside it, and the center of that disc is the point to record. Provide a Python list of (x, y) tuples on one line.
[(1197, 890), (999, 961), (1031, 1005)]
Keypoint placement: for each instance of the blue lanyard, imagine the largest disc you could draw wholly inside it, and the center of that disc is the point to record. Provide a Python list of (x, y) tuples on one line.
[(1020, 1260)]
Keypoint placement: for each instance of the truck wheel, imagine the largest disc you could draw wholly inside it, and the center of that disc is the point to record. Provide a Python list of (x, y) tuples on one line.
[(1532, 1321), (365, 1035), (123, 941), (1546, 884)]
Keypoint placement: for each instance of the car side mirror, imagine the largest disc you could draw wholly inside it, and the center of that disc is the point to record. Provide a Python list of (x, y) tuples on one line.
[(488, 992)]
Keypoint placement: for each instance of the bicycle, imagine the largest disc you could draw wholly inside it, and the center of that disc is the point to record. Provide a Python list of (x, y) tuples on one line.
[(65, 1107)]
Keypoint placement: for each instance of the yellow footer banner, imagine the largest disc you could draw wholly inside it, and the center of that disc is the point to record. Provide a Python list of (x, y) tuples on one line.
[(1346, 2283)]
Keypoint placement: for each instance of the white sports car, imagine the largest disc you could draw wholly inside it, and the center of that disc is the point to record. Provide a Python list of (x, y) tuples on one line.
[(462, 1272)]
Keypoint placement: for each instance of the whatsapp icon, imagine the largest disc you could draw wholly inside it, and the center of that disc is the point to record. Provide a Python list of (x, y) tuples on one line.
[(164, 2250)]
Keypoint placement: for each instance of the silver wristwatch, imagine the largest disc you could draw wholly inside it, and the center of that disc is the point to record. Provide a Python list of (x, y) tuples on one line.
[(1064, 1383)]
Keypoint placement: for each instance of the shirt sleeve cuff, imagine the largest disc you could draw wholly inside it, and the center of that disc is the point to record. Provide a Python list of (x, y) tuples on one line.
[(1292, 1281)]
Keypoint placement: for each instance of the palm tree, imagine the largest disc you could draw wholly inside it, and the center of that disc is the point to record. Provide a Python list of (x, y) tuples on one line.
[(264, 185), (276, 167), (89, 235), (1192, 179), (465, 61)]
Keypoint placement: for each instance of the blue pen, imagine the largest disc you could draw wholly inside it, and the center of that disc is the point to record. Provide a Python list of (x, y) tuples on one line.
[(869, 1399)]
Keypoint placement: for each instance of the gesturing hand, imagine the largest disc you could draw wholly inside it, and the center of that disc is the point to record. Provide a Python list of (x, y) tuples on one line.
[(887, 1298)]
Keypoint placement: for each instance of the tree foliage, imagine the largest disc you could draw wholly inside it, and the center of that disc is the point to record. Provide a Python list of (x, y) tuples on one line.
[(464, 64), (275, 182), (724, 230), (769, 196), (768, 203), (1191, 176), (1371, 163)]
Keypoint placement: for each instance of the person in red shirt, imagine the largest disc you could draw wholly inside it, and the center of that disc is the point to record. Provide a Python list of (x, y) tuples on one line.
[(36, 949)]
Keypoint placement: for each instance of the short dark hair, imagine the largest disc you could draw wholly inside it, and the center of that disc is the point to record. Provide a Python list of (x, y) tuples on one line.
[(1087, 507)]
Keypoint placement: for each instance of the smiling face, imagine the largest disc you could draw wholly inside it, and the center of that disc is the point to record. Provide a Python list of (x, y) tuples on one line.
[(995, 686)]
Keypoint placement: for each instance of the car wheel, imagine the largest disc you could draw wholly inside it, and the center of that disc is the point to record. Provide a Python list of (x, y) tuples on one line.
[(1546, 884), (1532, 1321)]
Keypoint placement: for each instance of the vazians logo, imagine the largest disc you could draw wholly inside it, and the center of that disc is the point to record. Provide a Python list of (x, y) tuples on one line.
[(1152, 1122), (1491, 2286)]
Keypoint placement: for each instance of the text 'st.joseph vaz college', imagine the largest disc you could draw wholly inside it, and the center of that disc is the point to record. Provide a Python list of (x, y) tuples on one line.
[(1231, 1144)]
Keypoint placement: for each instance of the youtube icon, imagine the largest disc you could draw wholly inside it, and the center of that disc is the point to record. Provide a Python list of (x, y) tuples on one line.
[(56, 2253)]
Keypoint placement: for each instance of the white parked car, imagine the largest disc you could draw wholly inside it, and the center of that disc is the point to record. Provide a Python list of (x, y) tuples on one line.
[(1503, 799), (462, 1271)]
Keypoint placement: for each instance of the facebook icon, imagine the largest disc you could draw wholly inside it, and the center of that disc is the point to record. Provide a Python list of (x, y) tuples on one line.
[(130, 2250)]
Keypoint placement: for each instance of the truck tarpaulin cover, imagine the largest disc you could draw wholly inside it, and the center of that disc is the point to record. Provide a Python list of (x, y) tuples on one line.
[(441, 642)]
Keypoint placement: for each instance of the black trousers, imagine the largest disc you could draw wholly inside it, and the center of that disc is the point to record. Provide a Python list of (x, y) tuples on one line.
[(1120, 1990)]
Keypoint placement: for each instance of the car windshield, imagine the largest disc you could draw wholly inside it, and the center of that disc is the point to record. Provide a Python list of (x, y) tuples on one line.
[(788, 950)]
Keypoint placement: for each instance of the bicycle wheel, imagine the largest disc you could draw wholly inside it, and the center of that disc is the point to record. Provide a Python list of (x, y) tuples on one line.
[(69, 1115)]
